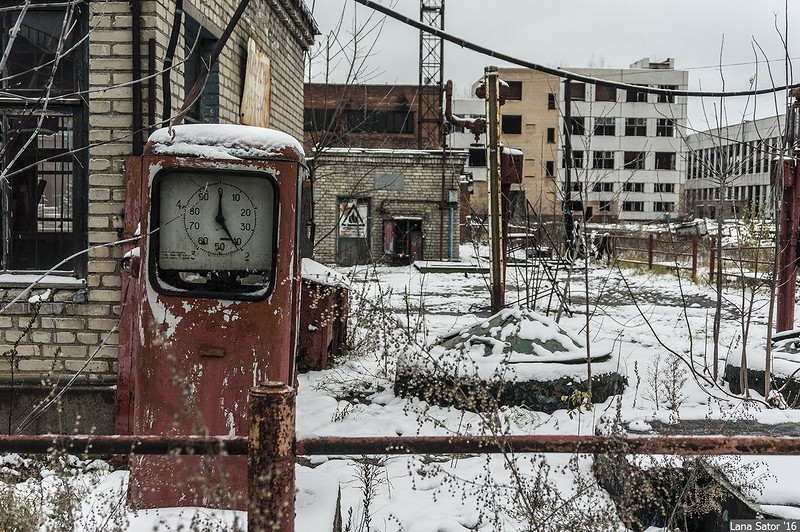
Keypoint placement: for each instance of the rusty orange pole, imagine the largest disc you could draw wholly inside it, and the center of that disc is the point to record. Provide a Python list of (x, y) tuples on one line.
[(271, 458)]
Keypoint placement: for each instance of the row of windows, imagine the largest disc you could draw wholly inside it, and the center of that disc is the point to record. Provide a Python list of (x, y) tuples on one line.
[(633, 127), (746, 193), (607, 93), (361, 121), (631, 160), (628, 186), (733, 159)]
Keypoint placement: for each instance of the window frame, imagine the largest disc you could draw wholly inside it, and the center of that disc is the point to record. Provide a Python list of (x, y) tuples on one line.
[(606, 128), (665, 127), (661, 156), (512, 123), (603, 159), (71, 108), (635, 127), (635, 163)]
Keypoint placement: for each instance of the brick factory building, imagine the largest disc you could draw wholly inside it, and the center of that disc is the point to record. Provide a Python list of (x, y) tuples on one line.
[(63, 167)]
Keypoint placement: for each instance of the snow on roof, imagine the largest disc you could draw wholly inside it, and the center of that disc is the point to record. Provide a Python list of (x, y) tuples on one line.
[(311, 270), (224, 141), (392, 151)]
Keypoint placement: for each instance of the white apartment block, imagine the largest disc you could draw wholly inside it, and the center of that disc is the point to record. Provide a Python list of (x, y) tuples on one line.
[(729, 168), (628, 152)]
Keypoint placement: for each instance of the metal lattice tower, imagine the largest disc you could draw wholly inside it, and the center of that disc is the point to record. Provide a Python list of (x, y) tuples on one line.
[(431, 75)]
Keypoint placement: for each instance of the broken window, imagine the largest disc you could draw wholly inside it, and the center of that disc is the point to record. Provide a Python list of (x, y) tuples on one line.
[(635, 95), (663, 206), (665, 160), (633, 187), (577, 160), (551, 135), (665, 127), (605, 206), (603, 187), (605, 125), (603, 159), (633, 206), (635, 127), (634, 160), (576, 126), (667, 98), (664, 187)]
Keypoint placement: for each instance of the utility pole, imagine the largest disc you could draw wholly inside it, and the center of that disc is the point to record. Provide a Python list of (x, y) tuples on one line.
[(569, 222), (497, 274)]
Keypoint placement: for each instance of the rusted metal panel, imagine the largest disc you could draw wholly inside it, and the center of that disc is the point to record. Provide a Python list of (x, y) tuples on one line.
[(123, 445), (271, 458), (323, 324), (784, 176)]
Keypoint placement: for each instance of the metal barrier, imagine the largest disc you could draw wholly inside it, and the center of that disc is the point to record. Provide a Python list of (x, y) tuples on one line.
[(272, 449)]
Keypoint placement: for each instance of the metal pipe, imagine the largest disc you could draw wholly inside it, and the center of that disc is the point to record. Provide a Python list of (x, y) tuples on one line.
[(497, 277), (335, 445), (166, 75), (136, 67), (451, 232), (271, 458)]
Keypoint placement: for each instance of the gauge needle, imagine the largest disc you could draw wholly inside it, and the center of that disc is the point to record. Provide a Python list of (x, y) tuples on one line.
[(220, 219)]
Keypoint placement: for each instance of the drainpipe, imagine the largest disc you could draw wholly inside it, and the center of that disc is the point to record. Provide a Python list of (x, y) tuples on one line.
[(136, 67)]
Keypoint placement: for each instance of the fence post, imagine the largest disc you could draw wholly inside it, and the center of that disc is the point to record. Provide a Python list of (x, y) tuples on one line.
[(271, 458), (711, 262), (650, 251), (694, 260)]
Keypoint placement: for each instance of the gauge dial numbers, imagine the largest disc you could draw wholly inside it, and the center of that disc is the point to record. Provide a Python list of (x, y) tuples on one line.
[(216, 222)]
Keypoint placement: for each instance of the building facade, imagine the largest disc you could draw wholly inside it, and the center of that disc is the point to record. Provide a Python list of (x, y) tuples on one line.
[(729, 168), (117, 79), (365, 116), (628, 149), (386, 205)]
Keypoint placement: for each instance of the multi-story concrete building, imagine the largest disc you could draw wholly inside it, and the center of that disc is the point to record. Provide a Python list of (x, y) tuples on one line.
[(729, 167), (63, 163), (628, 150)]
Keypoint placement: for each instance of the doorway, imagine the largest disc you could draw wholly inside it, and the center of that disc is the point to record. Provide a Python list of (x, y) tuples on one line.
[(403, 240)]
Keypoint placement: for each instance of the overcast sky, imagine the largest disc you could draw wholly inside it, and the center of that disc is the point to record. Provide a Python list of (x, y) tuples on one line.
[(700, 34)]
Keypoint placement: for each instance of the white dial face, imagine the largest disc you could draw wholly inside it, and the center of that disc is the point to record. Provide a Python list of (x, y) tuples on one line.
[(216, 221)]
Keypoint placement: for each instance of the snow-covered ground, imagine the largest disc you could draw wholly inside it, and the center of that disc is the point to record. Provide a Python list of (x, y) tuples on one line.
[(645, 319)]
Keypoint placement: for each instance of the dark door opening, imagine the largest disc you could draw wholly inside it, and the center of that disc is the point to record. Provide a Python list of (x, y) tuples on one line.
[(402, 241)]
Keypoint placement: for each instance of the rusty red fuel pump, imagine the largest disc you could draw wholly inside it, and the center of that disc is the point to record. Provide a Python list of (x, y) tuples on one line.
[(785, 177), (210, 298)]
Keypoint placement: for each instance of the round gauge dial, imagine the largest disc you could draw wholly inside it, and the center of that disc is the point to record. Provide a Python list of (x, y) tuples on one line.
[(220, 219), (216, 222)]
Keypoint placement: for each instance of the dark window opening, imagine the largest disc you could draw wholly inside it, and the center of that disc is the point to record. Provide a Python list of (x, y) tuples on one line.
[(633, 206), (634, 160), (551, 135), (605, 206), (514, 90), (635, 95), (577, 160), (477, 156), (603, 187), (366, 121), (512, 124), (318, 119), (605, 126), (605, 93), (551, 100), (665, 127), (664, 187), (603, 159), (550, 168), (633, 187), (663, 206), (665, 161), (635, 127), (198, 45), (667, 98), (577, 126)]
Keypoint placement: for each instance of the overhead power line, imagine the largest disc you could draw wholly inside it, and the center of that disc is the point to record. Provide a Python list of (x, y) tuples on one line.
[(463, 43)]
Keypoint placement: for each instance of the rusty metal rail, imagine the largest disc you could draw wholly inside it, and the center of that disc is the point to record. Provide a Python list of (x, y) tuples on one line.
[(398, 445)]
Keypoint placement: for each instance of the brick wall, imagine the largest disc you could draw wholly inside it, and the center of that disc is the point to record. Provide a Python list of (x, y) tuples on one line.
[(49, 342), (351, 174)]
